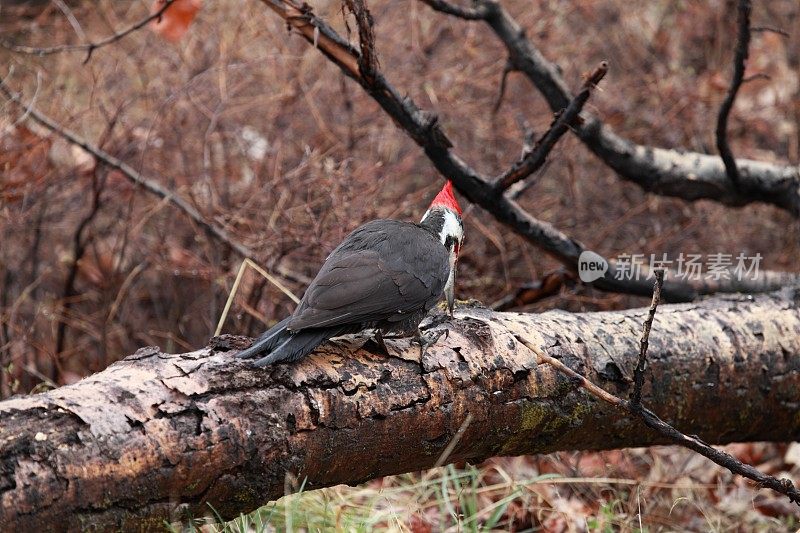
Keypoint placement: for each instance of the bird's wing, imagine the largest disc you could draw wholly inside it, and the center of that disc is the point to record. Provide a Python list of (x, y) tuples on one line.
[(395, 275)]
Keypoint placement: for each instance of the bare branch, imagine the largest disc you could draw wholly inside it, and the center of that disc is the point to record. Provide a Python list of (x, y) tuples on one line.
[(534, 159), (771, 29), (641, 364), (68, 292), (596, 391), (507, 69), (129, 172), (424, 128), (300, 18), (742, 51), (89, 48), (686, 175)]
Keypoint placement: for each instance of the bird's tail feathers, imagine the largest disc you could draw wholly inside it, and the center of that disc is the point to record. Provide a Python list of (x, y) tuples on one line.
[(296, 345), (280, 344), (267, 341)]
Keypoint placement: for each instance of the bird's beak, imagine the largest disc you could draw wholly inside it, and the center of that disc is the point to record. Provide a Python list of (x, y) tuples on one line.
[(450, 292)]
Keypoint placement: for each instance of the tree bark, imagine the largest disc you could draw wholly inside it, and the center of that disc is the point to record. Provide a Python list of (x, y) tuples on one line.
[(160, 436)]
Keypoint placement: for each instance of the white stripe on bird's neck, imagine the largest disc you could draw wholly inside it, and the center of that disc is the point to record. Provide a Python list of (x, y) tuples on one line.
[(451, 225)]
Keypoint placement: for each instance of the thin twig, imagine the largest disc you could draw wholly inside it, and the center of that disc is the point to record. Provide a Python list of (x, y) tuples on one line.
[(147, 184), (89, 48), (771, 29), (65, 9), (534, 159), (507, 69), (453, 442), (368, 59), (651, 420), (581, 380), (742, 51), (231, 296), (123, 290), (756, 76), (272, 279), (641, 364), (79, 245)]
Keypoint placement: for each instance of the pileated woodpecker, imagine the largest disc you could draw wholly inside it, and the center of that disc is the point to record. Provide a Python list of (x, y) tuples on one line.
[(385, 275)]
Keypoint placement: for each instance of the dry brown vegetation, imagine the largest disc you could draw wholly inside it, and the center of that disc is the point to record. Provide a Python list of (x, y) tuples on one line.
[(270, 141)]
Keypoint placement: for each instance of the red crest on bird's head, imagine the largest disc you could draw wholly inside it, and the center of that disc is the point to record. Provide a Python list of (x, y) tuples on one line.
[(446, 199)]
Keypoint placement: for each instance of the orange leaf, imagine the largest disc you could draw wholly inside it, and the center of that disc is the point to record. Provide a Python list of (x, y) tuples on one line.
[(418, 524), (175, 21)]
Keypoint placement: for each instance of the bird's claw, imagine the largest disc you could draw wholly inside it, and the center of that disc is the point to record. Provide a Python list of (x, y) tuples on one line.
[(381, 342), (426, 341), (435, 321)]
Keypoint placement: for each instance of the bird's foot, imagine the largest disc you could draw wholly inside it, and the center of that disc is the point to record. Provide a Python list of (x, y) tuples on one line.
[(435, 321), (425, 341), (381, 343), (379, 340)]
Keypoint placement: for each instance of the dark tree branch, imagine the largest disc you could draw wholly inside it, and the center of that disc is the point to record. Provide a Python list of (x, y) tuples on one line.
[(641, 364), (686, 175), (782, 486), (507, 69), (740, 59), (425, 130), (533, 160), (89, 48), (79, 243)]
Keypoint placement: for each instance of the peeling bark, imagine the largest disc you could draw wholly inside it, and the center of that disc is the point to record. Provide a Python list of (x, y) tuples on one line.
[(159, 436), (693, 176)]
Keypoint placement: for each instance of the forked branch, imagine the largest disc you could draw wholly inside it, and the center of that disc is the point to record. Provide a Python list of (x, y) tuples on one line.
[(89, 48), (424, 128), (683, 174), (533, 160)]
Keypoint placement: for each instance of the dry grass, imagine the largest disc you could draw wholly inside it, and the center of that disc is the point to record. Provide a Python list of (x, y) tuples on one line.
[(658, 489), (269, 140)]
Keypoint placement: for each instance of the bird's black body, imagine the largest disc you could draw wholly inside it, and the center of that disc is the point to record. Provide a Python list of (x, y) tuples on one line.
[(386, 274)]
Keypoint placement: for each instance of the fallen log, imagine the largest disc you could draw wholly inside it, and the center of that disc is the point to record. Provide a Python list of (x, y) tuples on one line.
[(161, 436)]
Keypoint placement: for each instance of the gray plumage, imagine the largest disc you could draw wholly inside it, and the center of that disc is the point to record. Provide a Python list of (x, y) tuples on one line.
[(387, 274)]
